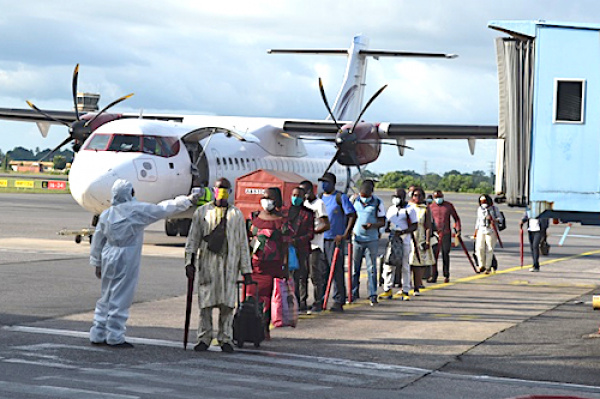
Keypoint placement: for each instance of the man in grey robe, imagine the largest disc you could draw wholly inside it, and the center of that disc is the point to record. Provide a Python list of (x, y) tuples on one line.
[(217, 271)]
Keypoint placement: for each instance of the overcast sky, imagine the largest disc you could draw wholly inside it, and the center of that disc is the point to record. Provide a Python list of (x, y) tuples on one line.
[(210, 58)]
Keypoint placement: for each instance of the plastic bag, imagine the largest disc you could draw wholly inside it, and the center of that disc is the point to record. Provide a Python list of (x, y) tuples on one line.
[(293, 263), (284, 305)]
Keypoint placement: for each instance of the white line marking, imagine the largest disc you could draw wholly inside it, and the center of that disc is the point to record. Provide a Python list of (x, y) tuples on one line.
[(340, 362)]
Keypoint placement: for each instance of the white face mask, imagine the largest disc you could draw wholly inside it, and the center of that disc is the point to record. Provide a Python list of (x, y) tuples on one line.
[(396, 201), (484, 206), (267, 204)]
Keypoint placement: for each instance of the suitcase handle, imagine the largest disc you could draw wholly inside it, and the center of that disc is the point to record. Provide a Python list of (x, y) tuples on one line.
[(245, 287)]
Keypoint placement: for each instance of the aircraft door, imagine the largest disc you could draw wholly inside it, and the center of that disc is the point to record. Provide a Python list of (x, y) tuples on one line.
[(218, 165)]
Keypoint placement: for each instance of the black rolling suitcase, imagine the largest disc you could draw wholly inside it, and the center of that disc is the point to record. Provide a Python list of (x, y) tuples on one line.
[(248, 325)]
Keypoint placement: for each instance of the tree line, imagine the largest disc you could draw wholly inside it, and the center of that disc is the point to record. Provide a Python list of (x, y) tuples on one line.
[(454, 181)]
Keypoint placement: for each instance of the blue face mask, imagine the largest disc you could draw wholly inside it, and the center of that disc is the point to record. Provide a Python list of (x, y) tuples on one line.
[(297, 201), (327, 186), (365, 199), (439, 201)]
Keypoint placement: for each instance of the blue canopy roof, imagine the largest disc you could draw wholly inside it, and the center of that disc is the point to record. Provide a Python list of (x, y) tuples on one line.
[(529, 28)]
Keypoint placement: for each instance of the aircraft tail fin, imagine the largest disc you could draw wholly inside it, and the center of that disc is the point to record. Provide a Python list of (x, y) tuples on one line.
[(349, 101)]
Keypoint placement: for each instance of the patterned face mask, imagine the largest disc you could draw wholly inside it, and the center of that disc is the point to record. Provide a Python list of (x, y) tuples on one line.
[(221, 193)]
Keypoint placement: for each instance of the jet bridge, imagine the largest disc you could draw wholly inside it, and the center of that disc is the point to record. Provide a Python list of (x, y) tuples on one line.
[(548, 125)]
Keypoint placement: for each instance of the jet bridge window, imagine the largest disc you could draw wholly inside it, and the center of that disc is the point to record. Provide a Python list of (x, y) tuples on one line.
[(569, 100)]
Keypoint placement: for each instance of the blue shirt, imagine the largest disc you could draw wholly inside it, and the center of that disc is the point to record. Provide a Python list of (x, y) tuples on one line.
[(367, 213), (336, 215)]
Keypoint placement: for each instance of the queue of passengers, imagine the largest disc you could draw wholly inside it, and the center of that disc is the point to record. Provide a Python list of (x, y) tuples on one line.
[(317, 227)]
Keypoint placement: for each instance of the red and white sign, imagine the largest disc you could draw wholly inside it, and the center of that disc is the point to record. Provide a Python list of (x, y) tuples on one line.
[(57, 185)]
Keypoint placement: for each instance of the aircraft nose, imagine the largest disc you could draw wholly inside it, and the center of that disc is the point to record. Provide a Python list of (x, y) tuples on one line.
[(93, 194)]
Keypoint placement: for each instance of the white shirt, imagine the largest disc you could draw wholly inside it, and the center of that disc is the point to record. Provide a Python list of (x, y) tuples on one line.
[(319, 209), (398, 219)]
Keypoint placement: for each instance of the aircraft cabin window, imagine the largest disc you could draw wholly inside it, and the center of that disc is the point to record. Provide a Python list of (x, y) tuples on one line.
[(242, 162), (99, 142), (224, 163), (218, 161), (237, 163)]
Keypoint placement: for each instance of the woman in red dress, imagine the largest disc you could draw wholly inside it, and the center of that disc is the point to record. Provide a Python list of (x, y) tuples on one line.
[(269, 247)]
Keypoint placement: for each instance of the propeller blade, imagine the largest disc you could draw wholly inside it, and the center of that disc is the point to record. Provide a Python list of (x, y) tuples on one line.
[(355, 160), (382, 142), (335, 157), (65, 141), (75, 78), (46, 115), (107, 107), (329, 140), (377, 93), (324, 97)]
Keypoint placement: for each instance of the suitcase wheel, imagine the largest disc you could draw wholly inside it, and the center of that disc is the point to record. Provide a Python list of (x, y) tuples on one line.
[(239, 344)]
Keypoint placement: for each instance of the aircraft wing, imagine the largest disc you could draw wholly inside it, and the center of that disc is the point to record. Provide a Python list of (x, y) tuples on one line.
[(29, 115), (397, 131)]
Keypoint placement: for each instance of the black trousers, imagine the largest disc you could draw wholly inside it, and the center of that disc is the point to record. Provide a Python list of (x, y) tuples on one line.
[(300, 277), (535, 237)]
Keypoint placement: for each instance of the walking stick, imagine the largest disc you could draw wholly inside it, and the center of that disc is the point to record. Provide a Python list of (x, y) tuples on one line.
[(496, 231), (350, 272), (521, 247), (462, 244), (336, 253), (188, 311)]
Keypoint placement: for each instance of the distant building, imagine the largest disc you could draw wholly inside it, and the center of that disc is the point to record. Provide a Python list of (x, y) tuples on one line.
[(33, 166)]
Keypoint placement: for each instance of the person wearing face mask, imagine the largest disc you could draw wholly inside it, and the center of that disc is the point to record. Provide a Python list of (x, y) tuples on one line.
[(342, 217), (301, 224), (441, 211), (421, 256), (116, 252), (218, 268), (317, 269), (485, 236), (269, 229), (370, 217), (401, 221)]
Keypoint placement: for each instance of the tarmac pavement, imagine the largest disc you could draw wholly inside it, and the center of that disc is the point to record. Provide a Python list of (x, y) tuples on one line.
[(495, 336)]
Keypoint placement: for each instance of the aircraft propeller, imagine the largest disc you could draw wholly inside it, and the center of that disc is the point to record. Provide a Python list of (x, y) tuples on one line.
[(85, 124), (357, 143)]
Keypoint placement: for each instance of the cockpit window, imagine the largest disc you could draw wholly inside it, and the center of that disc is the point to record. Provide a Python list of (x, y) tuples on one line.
[(154, 145), (124, 143), (98, 142)]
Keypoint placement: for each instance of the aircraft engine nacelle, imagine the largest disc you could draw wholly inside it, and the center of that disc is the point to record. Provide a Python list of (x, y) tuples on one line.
[(360, 145)]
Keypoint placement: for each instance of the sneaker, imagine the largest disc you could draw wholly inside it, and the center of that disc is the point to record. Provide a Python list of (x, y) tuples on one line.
[(102, 343), (123, 345), (201, 347), (374, 301), (316, 308), (447, 280), (417, 293), (431, 280), (337, 307), (227, 348), (487, 272), (386, 294), (402, 295), (482, 269), (534, 269)]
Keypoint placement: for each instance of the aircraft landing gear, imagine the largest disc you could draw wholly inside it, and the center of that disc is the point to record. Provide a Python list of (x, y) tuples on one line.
[(177, 226)]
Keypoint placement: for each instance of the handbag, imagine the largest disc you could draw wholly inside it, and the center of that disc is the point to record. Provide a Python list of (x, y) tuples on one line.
[(394, 250), (293, 263), (216, 238)]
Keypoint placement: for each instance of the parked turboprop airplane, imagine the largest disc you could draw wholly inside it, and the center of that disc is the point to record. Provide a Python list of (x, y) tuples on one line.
[(166, 155)]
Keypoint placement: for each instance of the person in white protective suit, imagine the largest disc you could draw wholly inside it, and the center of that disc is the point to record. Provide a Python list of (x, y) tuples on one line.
[(116, 253)]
